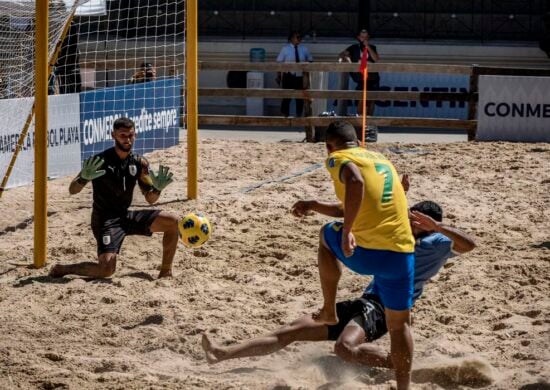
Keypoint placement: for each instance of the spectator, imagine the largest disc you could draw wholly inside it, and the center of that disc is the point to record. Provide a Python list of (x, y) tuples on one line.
[(353, 54), (293, 53), (67, 67), (147, 72)]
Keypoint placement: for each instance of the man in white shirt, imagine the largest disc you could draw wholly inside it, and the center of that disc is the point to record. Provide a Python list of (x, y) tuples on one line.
[(293, 53)]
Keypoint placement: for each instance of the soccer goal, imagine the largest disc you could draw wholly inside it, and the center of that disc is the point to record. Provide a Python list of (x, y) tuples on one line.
[(107, 59)]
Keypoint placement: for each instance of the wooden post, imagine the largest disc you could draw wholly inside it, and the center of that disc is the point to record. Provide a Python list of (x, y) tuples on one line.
[(473, 101), (310, 130)]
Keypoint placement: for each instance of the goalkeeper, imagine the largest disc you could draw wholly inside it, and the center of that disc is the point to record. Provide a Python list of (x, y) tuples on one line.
[(114, 174)]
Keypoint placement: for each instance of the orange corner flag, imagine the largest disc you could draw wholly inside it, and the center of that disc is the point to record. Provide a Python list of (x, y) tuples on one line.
[(364, 71), (364, 60)]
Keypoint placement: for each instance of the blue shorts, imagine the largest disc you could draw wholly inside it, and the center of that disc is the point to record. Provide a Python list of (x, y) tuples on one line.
[(393, 271)]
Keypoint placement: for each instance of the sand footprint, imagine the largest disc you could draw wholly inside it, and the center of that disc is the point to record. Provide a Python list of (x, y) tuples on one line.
[(472, 372)]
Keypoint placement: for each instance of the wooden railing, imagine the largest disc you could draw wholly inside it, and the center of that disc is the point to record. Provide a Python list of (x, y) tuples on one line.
[(309, 122)]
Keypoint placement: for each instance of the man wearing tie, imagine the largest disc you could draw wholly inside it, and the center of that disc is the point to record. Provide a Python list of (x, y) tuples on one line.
[(294, 53)]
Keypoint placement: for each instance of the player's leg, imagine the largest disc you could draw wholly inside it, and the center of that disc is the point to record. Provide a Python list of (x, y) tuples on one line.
[(286, 83), (372, 86), (355, 342), (167, 224), (147, 222), (329, 273), (109, 236), (303, 329), (399, 328), (396, 292), (299, 84), (351, 347), (364, 353), (105, 267)]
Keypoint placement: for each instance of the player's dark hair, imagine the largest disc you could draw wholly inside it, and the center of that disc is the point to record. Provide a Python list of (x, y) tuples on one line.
[(123, 122), (341, 132), (430, 209)]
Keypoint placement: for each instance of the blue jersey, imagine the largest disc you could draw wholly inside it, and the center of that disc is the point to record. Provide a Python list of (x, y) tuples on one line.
[(431, 253)]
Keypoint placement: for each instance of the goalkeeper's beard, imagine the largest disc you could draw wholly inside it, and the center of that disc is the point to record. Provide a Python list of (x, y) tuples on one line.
[(123, 147)]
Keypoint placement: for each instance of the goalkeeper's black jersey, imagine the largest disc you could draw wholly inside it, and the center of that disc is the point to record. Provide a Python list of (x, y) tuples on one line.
[(113, 192)]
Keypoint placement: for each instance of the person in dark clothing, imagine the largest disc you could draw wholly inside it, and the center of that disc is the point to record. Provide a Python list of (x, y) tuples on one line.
[(353, 54), (67, 67), (114, 174), (362, 319)]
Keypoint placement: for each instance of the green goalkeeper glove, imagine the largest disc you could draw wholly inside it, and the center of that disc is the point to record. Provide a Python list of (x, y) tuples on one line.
[(90, 170), (162, 179)]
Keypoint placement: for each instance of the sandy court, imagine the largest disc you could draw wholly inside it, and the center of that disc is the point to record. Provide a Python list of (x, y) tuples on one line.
[(483, 322)]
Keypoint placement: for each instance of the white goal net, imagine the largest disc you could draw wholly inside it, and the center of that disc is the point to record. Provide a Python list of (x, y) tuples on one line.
[(116, 58)]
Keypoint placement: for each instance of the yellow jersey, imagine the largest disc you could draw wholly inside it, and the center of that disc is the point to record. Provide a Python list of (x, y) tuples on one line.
[(382, 221)]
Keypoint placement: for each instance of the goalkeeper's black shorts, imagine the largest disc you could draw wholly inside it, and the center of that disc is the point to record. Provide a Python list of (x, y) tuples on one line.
[(110, 232)]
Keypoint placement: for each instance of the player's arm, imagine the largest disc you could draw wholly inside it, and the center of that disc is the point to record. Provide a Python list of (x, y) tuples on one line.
[(462, 242), (151, 183), (373, 53), (304, 207), (152, 196), (77, 184), (406, 182), (354, 183), (344, 55), (90, 171)]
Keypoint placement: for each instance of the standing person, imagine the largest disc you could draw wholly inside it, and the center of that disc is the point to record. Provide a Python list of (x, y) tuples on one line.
[(362, 320), (353, 54), (374, 239), (67, 67), (114, 174), (294, 52)]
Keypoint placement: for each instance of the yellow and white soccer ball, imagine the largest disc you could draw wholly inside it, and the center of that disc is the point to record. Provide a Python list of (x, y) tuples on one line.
[(195, 230)]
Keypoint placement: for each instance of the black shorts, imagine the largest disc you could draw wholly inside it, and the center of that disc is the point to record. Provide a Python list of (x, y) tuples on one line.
[(110, 232), (367, 312)]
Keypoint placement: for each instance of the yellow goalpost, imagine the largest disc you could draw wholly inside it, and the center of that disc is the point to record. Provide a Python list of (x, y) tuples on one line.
[(43, 65), (192, 97), (40, 134)]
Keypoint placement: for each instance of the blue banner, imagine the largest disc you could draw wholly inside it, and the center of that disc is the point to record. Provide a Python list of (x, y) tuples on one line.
[(414, 82), (422, 82), (153, 106)]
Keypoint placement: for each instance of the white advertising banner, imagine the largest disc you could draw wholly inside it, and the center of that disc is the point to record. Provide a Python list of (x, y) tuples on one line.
[(63, 138), (514, 109)]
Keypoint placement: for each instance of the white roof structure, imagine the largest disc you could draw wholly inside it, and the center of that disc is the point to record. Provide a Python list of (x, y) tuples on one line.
[(22, 7)]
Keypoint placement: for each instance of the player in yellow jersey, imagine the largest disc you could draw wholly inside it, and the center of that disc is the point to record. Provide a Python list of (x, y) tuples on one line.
[(374, 239)]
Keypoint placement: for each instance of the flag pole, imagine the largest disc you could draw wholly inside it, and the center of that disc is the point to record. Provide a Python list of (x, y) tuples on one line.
[(363, 68)]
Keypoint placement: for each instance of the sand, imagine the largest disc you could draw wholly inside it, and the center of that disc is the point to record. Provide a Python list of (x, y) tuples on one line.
[(484, 322)]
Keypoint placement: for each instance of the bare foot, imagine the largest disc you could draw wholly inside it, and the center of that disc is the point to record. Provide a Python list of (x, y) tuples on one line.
[(57, 271), (165, 273), (324, 317), (212, 352)]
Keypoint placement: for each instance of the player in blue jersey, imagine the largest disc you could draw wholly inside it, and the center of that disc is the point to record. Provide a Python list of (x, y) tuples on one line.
[(362, 320)]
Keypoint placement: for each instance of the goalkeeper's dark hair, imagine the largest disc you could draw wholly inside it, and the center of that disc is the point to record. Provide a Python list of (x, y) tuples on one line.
[(123, 122), (341, 132), (430, 209)]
